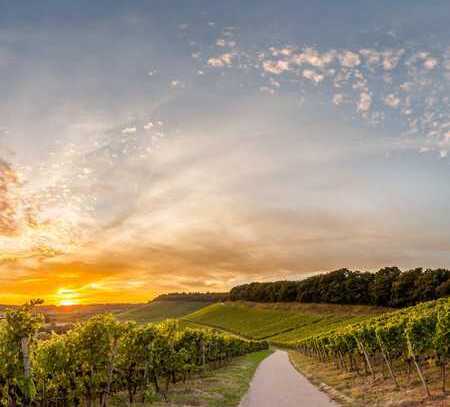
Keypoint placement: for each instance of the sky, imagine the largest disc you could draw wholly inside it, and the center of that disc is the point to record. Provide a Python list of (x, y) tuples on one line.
[(159, 146)]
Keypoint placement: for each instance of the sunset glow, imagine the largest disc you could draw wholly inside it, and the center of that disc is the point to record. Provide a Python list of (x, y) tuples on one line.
[(67, 302), (67, 297), (147, 148)]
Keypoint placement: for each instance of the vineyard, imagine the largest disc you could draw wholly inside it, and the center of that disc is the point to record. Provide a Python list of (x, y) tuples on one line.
[(157, 311), (388, 345), (102, 357), (279, 323)]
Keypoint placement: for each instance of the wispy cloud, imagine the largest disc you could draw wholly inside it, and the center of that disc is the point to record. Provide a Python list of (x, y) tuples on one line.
[(221, 60), (212, 154), (415, 82)]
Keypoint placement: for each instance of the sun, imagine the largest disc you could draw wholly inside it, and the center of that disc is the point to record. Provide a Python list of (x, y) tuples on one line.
[(68, 302), (67, 297)]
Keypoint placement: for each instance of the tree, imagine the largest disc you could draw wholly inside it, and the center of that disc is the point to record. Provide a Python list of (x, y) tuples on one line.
[(380, 289), (404, 292)]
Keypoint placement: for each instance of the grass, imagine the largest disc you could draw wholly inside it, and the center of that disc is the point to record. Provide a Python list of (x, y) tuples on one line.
[(319, 325), (278, 323), (159, 310), (223, 387), (358, 391)]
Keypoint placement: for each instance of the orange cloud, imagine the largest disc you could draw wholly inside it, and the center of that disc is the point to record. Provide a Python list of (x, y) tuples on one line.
[(187, 220)]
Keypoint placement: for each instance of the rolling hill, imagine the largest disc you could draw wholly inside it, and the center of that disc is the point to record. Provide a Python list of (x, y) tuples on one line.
[(158, 310), (278, 323)]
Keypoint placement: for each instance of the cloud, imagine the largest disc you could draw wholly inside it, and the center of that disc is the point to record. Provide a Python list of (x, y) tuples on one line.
[(372, 56), (9, 201), (31, 222), (392, 101), (446, 138), (216, 62), (312, 76), (349, 59), (267, 89), (364, 103), (221, 61), (338, 99), (48, 208), (107, 209), (413, 84), (183, 214), (276, 67), (176, 84), (391, 58), (430, 63)]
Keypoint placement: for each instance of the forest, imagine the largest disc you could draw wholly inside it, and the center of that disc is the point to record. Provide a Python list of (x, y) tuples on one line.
[(389, 287), (192, 296)]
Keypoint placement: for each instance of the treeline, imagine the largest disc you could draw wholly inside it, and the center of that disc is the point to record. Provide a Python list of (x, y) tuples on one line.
[(389, 287), (195, 296), (103, 357)]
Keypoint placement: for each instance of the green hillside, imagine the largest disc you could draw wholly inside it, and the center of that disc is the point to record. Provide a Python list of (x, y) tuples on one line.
[(159, 310), (279, 322)]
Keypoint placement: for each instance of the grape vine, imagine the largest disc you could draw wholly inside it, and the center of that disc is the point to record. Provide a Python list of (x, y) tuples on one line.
[(410, 337), (102, 357)]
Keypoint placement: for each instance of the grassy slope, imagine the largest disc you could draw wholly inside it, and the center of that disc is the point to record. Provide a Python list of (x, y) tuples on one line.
[(223, 387), (157, 311), (278, 322)]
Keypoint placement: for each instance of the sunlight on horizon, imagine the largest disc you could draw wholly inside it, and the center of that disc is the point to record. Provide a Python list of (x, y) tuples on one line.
[(65, 297), (221, 147)]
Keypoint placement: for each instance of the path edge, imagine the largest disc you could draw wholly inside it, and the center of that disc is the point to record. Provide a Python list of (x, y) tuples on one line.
[(334, 394), (243, 401)]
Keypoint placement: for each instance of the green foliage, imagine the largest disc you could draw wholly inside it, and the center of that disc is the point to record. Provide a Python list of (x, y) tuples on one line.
[(159, 310), (280, 324), (442, 335), (17, 338), (389, 287), (412, 334), (101, 357), (192, 297)]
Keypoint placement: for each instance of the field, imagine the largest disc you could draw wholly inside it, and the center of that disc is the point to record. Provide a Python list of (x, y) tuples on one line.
[(159, 310), (278, 323)]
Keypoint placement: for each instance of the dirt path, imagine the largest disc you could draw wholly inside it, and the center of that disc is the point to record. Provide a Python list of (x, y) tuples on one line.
[(277, 384)]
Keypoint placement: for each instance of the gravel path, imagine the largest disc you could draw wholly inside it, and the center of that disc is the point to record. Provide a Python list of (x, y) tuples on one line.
[(277, 384)]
